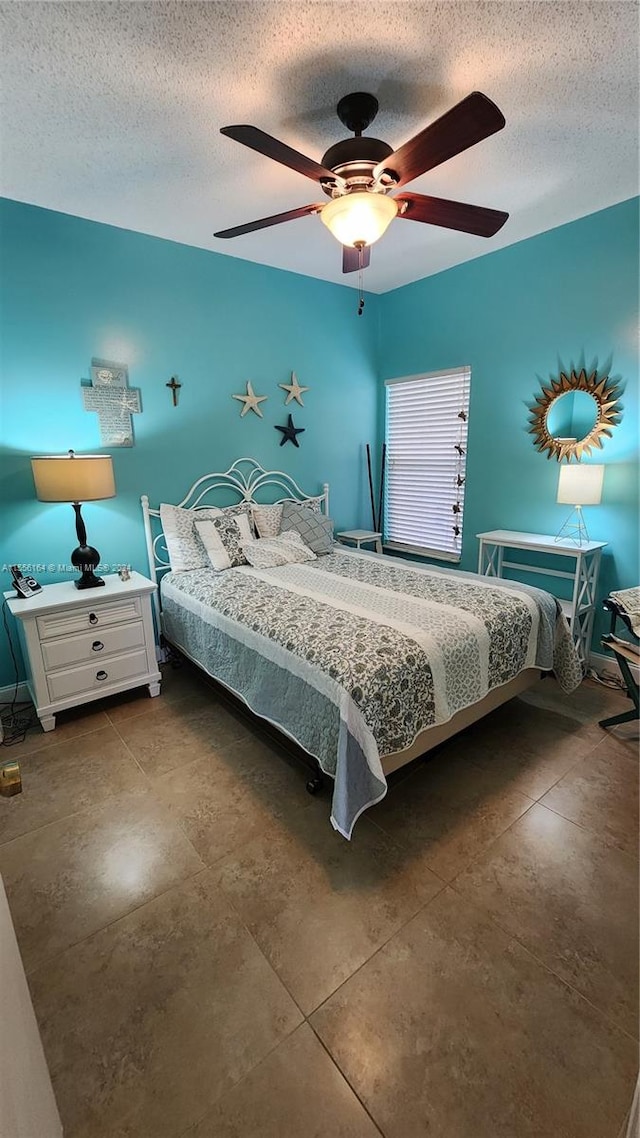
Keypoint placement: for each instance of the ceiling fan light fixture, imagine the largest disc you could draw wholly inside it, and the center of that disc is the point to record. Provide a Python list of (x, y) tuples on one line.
[(359, 218)]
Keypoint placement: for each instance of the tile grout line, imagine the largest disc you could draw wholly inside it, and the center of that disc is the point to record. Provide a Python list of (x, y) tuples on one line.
[(55, 742), (407, 849), (90, 806), (421, 909), (335, 1063), (242, 921), (236, 1082), (202, 869), (513, 939), (586, 830), (532, 802), (121, 916), (443, 885)]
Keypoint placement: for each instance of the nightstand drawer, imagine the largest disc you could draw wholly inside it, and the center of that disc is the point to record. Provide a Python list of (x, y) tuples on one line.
[(89, 646), (92, 677), (79, 620)]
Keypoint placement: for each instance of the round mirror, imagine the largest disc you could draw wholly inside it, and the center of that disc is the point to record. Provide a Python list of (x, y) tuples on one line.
[(574, 413), (572, 416)]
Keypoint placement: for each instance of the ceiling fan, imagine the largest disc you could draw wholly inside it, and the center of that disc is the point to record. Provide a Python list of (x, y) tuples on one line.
[(359, 173)]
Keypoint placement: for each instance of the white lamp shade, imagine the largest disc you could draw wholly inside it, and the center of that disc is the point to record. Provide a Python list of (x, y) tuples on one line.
[(359, 218), (580, 485), (65, 478)]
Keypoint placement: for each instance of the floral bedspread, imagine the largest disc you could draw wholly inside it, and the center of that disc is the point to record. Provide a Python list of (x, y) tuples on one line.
[(354, 654)]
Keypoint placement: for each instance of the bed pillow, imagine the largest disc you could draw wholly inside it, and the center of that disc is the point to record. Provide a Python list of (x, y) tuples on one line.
[(183, 543), (266, 519), (223, 538), (184, 547), (315, 529), (286, 549)]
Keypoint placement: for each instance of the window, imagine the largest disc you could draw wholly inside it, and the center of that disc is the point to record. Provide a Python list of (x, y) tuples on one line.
[(426, 437)]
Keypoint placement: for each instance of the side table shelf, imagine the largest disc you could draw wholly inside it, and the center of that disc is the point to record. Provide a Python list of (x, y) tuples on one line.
[(579, 610), (361, 537)]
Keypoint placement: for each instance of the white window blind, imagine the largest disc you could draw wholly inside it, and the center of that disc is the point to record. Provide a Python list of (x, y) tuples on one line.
[(426, 436)]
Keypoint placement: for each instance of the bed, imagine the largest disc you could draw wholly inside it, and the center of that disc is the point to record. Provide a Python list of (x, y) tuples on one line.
[(364, 660)]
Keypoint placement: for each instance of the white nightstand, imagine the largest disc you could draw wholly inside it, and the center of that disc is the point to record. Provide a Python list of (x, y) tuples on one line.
[(82, 645), (361, 537), (579, 610)]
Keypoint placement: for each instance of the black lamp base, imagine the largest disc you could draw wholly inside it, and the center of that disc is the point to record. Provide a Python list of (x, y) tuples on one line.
[(86, 558), (88, 580)]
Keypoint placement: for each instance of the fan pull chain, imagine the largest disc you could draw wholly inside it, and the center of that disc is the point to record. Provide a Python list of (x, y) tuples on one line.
[(360, 279)]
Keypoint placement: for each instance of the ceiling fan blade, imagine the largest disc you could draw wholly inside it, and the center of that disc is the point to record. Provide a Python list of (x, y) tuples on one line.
[(471, 120), (271, 147), (351, 258), (451, 215), (275, 219)]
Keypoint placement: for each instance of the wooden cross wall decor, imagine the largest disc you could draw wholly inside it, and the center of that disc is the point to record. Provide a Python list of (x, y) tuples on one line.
[(113, 401)]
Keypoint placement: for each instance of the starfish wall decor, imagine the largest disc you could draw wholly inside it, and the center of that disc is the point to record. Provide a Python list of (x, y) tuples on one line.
[(294, 389), (251, 401), (289, 433)]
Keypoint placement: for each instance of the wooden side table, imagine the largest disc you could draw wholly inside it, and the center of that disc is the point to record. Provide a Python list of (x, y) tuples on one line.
[(361, 537), (82, 645), (580, 609)]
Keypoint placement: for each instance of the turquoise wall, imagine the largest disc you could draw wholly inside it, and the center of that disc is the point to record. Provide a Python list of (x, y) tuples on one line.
[(71, 290), (568, 296)]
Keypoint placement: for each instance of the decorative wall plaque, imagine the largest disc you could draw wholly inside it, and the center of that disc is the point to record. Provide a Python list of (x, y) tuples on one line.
[(114, 402)]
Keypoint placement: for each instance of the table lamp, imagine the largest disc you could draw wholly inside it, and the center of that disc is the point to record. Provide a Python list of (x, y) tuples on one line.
[(578, 486), (76, 479)]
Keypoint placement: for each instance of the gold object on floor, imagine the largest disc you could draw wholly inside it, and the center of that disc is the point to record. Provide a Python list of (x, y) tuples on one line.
[(10, 780)]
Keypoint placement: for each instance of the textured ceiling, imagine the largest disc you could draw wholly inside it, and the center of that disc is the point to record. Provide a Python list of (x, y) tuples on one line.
[(112, 111)]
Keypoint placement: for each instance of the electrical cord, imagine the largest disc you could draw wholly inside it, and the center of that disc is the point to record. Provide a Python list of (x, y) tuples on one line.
[(16, 718)]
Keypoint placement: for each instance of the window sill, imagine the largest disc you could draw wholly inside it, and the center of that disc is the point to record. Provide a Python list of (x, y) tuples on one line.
[(420, 551)]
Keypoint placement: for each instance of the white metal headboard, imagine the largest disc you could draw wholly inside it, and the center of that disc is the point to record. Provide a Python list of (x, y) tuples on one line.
[(244, 478)]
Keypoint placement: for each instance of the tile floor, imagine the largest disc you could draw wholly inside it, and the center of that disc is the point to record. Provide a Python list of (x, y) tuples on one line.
[(208, 959)]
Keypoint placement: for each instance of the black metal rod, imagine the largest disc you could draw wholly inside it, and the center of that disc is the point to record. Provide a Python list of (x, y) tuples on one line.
[(383, 460), (373, 501)]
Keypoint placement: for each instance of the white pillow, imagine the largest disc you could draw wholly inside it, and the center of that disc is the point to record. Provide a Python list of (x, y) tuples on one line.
[(283, 550), (266, 519), (184, 546), (224, 539)]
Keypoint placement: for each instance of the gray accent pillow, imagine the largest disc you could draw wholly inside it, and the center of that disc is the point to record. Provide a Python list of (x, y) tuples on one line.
[(223, 538), (315, 529)]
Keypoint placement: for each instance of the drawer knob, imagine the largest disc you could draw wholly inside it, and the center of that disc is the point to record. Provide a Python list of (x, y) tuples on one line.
[(101, 675), (93, 618), (97, 646)]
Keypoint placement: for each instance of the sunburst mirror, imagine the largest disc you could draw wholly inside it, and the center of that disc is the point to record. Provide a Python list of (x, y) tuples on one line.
[(574, 413)]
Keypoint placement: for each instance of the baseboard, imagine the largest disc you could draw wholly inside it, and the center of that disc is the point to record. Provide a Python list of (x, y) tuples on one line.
[(601, 663), (6, 694)]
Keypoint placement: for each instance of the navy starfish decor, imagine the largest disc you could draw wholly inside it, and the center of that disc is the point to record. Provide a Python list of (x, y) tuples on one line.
[(289, 433)]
